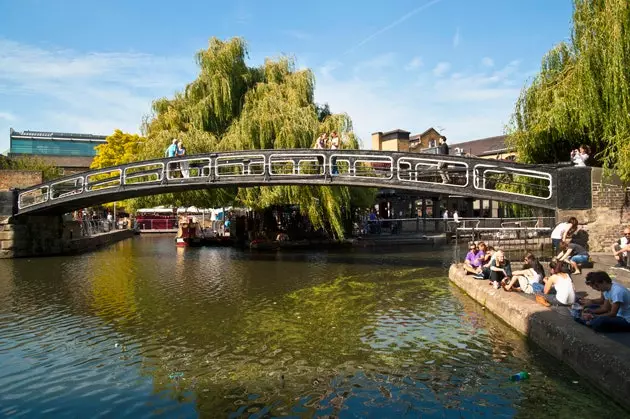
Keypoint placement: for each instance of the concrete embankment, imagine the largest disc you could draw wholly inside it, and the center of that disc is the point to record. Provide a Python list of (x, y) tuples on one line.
[(88, 244), (601, 360)]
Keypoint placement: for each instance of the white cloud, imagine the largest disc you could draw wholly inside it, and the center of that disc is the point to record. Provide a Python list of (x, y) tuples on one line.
[(376, 63), (329, 67), (487, 62), (416, 62), (91, 92), (467, 105), (441, 69), (456, 38), (8, 116)]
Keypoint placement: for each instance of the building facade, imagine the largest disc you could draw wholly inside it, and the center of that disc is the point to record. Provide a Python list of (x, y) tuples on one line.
[(69, 152), (427, 205)]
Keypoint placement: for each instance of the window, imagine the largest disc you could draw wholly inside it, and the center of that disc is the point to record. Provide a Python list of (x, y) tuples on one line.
[(432, 143), (53, 148)]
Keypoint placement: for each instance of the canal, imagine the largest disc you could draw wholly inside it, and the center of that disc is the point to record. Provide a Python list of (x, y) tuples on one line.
[(142, 328)]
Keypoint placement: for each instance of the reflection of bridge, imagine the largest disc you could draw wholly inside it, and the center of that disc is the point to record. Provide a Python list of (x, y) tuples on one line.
[(472, 177)]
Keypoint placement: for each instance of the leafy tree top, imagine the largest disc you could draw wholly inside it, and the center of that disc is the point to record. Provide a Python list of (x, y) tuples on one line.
[(582, 93)]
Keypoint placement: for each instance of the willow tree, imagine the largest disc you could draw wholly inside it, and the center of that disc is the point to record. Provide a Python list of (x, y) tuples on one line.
[(582, 93), (231, 106)]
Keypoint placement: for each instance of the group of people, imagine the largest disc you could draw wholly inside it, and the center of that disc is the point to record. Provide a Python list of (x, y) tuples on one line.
[(177, 149), (608, 313), (324, 141)]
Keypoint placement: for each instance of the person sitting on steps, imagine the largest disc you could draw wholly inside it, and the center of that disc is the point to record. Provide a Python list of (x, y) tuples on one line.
[(610, 312), (621, 248), (485, 268), (474, 259), (529, 279), (559, 281), (500, 269)]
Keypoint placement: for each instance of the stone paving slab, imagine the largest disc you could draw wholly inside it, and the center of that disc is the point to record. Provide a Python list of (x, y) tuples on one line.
[(604, 360)]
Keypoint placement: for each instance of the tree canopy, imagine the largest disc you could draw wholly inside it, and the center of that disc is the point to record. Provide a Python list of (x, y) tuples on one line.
[(582, 93), (231, 106), (49, 172), (119, 148)]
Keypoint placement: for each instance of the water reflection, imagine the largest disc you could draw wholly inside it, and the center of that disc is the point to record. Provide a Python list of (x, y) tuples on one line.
[(145, 328)]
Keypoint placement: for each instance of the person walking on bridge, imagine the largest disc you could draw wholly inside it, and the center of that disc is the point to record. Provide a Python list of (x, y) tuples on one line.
[(443, 166)]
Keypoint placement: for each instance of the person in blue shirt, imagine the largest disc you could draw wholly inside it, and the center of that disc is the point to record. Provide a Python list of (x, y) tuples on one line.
[(610, 312), (171, 151)]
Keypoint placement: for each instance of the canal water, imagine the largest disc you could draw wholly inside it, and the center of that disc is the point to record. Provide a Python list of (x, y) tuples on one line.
[(143, 328)]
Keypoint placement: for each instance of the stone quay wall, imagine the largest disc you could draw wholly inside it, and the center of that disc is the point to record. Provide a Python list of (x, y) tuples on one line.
[(609, 214), (48, 235), (602, 361)]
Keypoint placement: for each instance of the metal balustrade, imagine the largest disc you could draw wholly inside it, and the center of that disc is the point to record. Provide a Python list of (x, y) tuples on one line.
[(468, 176)]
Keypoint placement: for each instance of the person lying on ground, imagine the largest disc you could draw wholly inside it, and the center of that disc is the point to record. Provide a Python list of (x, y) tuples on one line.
[(528, 280), (621, 248), (573, 254), (500, 269), (473, 261), (613, 314), (559, 281)]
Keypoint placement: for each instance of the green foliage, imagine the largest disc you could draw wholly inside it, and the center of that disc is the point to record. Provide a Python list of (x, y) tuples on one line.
[(231, 106), (582, 93), (38, 164), (119, 148)]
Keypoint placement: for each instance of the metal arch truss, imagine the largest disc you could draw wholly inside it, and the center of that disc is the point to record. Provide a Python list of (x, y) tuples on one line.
[(463, 176)]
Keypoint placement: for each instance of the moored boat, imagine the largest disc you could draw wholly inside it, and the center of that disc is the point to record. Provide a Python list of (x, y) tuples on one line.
[(188, 234)]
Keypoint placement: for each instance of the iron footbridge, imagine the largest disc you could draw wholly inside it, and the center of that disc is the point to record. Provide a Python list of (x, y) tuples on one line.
[(535, 185)]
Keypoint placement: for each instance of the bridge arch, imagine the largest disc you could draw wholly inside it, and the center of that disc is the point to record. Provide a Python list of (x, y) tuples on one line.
[(471, 177)]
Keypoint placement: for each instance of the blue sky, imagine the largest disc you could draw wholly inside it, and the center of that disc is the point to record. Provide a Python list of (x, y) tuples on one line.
[(456, 65)]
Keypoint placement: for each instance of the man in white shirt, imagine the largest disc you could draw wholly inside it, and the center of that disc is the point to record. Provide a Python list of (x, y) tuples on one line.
[(620, 249)]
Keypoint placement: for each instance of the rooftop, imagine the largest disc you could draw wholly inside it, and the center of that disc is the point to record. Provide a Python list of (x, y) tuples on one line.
[(43, 135), (484, 146)]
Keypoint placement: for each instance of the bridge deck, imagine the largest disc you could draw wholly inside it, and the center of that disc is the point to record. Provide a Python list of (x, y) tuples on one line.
[(534, 185)]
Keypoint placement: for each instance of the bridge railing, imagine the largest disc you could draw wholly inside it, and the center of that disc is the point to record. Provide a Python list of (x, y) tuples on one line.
[(361, 167), (468, 227)]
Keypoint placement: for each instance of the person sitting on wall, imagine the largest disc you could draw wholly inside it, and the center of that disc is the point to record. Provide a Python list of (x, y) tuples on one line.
[(487, 260), (528, 280), (610, 312), (500, 270), (621, 248), (559, 281), (474, 260), (573, 254)]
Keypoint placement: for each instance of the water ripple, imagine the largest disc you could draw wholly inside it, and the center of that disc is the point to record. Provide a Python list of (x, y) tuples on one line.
[(142, 329)]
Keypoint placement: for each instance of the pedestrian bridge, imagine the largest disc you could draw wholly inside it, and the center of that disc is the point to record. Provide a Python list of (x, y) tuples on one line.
[(543, 186)]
